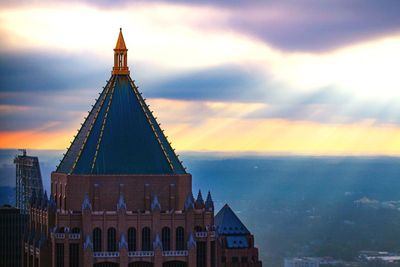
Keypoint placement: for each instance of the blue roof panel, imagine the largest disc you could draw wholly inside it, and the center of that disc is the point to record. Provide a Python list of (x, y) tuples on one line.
[(121, 136), (228, 223)]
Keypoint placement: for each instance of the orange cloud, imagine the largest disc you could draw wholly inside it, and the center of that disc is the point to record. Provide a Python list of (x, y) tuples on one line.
[(219, 126), (35, 139)]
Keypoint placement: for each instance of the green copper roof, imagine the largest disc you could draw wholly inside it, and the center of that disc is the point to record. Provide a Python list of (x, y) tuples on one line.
[(120, 136)]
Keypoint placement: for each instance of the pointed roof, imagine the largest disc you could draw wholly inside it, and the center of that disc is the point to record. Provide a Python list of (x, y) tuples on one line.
[(199, 200), (209, 202), (228, 223), (120, 42), (120, 136)]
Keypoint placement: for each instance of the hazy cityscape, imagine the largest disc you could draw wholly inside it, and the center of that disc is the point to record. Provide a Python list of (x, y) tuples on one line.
[(330, 214)]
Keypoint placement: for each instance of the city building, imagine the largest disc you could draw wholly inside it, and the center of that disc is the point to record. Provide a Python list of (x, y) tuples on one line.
[(121, 196), (12, 227), (28, 180), (301, 262)]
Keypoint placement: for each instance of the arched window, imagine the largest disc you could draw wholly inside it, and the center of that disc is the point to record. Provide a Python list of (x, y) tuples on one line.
[(180, 238), (111, 239), (166, 238), (61, 230), (76, 230), (131, 239), (198, 229), (146, 242), (96, 239)]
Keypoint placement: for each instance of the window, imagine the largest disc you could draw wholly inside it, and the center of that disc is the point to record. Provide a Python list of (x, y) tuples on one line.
[(201, 254), (60, 255), (96, 240), (244, 259), (166, 238), (76, 230), (180, 238), (235, 259), (198, 228), (213, 254), (73, 255), (131, 239), (111, 239), (146, 243)]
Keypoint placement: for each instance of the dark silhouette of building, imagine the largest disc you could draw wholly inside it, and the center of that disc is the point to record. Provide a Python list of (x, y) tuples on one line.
[(28, 180), (121, 197), (12, 227)]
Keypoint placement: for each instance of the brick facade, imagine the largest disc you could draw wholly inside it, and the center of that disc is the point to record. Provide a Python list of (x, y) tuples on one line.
[(128, 219)]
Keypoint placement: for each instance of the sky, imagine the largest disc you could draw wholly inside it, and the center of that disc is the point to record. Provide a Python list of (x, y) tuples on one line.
[(287, 77)]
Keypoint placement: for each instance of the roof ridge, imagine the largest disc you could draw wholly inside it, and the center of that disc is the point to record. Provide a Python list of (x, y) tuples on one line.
[(103, 125), (91, 127), (81, 128), (144, 107), (155, 125)]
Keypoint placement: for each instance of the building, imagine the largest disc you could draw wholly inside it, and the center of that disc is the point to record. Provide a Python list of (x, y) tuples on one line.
[(28, 180), (302, 262), (121, 197), (12, 227), (236, 243)]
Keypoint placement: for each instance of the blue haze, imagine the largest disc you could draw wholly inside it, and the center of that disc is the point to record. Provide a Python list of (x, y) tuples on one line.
[(294, 205)]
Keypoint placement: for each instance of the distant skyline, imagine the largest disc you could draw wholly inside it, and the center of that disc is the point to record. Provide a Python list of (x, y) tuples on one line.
[(292, 77)]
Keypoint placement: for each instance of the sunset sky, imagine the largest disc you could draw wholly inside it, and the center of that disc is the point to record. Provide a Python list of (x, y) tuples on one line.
[(293, 76)]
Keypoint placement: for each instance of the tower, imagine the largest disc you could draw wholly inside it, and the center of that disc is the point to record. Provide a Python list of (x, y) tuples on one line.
[(120, 196), (28, 180)]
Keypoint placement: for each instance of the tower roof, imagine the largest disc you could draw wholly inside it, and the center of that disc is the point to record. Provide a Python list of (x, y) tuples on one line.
[(228, 223), (120, 42), (120, 135)]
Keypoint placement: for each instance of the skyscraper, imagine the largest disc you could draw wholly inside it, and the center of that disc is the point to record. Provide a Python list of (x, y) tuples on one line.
[(12, 227), (121, 196), (28, 180)]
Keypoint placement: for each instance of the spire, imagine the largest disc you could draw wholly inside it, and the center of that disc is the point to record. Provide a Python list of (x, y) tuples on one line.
[(157, 243), (121, 202), (209, 202), (122, 242), (199, 201), (120, 42), (120, 56), (191, 243), (86, 203), (189, 202), (88, 243), (155, 204)]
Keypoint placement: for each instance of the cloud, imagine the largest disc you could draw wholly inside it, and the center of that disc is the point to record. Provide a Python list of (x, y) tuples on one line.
[(330, 105), (222, 83), (310, 25), (295, 25), (41, 71)]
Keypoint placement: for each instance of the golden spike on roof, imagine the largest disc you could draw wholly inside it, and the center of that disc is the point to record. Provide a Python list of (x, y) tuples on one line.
[(120, 56), (120, 42)]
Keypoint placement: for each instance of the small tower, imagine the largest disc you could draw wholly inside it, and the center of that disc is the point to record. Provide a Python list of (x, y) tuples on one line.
[(120, 56)]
